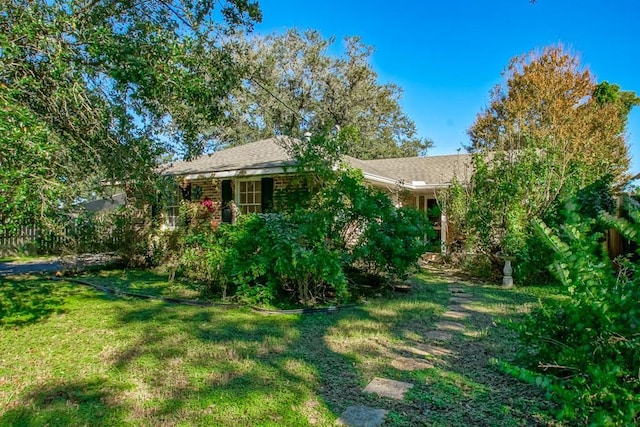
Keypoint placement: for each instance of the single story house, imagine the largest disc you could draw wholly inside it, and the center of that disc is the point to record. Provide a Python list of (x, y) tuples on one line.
[(250, 175)]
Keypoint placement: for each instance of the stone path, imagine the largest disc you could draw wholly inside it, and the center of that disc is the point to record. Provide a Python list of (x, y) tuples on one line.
[(364, 416)]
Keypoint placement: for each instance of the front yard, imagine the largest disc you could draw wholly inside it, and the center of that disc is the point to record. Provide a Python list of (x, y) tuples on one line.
[(70, 355)]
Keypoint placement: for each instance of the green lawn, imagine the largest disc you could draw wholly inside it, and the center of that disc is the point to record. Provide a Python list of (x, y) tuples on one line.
[(70, 355), (153, 283)]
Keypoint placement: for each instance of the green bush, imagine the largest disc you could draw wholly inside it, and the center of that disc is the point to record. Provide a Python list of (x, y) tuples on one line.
[(590, 342), (278, 258), (390, 245), (304, 254), (266, 259), (330, 225)]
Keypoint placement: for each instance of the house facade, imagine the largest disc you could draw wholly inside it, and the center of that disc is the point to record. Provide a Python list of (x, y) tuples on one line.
[(245, 179)]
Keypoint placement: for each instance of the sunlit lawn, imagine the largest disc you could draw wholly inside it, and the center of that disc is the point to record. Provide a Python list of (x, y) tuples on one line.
[(70, 355)]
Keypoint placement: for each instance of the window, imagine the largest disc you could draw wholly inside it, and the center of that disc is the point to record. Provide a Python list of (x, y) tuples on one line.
[(172, 209), (250, 196), (255, 196)]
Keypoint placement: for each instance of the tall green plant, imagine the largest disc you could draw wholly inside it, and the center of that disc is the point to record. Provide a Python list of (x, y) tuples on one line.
[(590, 342)]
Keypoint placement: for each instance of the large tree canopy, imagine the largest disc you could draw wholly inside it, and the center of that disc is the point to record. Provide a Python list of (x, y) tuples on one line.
[(548, 132), (553, 103), (297, 86), (98, 88)]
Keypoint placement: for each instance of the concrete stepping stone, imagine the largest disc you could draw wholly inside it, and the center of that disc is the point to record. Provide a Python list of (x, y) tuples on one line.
[(450, 326), (438, 335), (429, 350), (457, 315), (460, 295), (387, 388), (459, 300), (459, 307), (410, 364), (456, 290), (362, 416)]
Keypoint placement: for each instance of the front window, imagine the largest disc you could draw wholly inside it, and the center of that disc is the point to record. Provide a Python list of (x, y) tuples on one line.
[(250, 196), (172, 209)]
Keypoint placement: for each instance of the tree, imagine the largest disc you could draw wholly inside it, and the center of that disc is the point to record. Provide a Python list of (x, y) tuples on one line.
[(296, 86), (97, 89), (607, 93), (549, 131), (551, 102)]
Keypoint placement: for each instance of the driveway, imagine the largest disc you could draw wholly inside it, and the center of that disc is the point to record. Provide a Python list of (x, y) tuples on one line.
[(51, 265)]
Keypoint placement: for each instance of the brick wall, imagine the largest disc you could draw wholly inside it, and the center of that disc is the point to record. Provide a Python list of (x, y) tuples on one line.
[(211, 188)]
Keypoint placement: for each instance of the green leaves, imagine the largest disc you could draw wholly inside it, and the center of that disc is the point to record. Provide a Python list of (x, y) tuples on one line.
[(97, 90), (590, 341)]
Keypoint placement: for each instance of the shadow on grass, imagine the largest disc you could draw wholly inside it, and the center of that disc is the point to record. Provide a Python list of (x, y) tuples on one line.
[(67, 404), (144, 282), (28, 299), (266, 370), (169, 364)]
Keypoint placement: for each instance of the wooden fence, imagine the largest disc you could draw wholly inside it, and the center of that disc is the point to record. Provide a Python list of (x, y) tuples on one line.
[(31, 240)]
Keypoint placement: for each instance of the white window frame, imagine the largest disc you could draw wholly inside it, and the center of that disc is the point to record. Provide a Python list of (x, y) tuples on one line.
[(247, 207), (171, 213)]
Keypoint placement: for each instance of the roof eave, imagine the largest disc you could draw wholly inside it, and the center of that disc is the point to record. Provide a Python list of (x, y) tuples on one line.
[(390, 181), (234, 173)]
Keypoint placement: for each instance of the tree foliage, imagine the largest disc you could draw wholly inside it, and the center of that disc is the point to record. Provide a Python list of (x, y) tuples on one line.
[(549, 132), (98, 88), (551, 101), (296, 86), (588, 345)]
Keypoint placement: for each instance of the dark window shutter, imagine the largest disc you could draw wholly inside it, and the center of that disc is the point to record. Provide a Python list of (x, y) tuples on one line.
[(186, 192), (227, 192), (227, 215), (267, 195)]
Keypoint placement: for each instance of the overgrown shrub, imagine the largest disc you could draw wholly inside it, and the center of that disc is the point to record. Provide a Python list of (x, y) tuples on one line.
[(493, 213), (589, 344), (264, 259), (390, 246), (304, 254), (330, 225)]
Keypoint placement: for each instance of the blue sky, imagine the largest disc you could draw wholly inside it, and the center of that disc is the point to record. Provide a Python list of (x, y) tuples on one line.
[(448, 54)]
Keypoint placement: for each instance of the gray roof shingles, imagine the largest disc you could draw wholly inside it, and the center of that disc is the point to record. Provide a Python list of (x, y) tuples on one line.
[(270, 153), (267, 153), (435, 170)]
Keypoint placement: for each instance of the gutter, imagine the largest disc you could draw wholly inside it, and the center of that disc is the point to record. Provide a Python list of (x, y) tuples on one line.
[(415, 185), (235, 173)]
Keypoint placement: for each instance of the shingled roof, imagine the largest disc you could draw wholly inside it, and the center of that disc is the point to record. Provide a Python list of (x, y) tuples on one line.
[(430, 170), (268, 156), (255, 156)]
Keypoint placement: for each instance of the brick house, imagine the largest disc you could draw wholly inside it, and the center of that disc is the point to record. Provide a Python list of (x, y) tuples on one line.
[(250, 175)]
